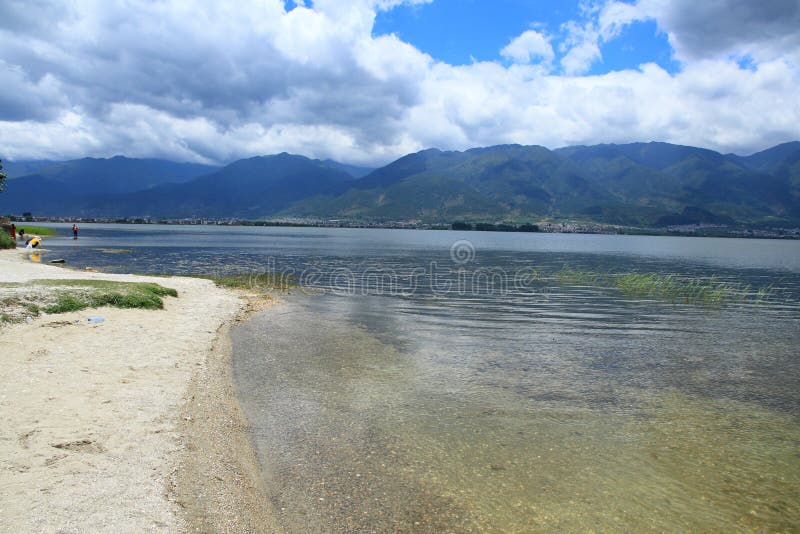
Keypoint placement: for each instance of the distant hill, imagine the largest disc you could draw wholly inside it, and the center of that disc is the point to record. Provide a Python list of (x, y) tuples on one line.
[(636, 184), (505, 181), (352, 170), (771, 159), (249, 188), (633, 184), (15, 169), (60, 188), (658, 177)]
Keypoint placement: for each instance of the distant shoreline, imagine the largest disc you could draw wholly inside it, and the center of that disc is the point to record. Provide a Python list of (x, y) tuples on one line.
[(698, 230)]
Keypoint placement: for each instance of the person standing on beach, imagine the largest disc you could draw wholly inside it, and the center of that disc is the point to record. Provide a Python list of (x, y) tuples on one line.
[(74, 231), (14, 231)]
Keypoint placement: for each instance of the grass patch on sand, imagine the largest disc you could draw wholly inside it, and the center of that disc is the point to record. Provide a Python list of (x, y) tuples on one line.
[(254, 282), (710, 291), (18, 301), (250, 282), (99, 293)]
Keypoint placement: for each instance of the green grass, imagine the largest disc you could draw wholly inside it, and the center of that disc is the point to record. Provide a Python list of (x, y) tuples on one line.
[(260, 282), (66, 303), (19, 301), (37, 230), (5, 240), (253, 282), (675, 288), (708, 291), (75, 295)]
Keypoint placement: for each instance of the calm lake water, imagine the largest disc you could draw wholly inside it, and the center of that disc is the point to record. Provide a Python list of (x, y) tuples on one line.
[(428, 381)]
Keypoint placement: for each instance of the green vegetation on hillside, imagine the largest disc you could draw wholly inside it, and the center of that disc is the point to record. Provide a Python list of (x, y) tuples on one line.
[(637, 184)]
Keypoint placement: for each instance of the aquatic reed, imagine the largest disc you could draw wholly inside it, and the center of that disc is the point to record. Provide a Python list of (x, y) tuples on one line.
[(678, 288)]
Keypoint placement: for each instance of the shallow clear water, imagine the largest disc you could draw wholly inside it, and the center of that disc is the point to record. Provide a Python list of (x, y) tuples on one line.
[(445, 381)]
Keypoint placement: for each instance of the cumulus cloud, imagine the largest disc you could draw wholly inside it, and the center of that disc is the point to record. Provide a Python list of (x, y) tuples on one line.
[(529, 46), (581, 48), (600, 24), (214, 81)]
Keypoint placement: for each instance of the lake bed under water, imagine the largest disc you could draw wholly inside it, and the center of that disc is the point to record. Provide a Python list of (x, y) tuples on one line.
[(459, 381)]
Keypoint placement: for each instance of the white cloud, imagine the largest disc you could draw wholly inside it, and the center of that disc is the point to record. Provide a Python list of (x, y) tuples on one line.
[(529, 46), (601, 23), (715, 104), (581, 47), (216, 82), (614, 16)]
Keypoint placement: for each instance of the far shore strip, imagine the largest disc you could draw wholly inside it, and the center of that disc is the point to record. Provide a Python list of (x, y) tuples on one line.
[(96, 418)]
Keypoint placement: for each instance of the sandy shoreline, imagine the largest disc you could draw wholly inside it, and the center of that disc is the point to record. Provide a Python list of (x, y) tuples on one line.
[(128, 425)]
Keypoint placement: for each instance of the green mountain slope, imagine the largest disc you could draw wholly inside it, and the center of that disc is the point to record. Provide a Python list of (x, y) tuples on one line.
[(353, 170), (509, 181), (673, 178), (638, 183), (633, 184), (771, 159)]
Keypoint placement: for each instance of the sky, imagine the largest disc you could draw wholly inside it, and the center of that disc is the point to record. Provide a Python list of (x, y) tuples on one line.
[(367, 81)]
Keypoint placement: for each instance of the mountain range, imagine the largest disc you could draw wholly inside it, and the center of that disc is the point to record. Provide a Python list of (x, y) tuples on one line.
[(632, 184)]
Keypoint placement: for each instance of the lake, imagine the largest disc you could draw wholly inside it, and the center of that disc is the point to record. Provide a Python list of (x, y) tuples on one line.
[(433, 381)]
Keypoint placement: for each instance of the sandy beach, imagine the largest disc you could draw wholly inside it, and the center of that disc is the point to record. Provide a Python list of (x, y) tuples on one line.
[(127, 425)]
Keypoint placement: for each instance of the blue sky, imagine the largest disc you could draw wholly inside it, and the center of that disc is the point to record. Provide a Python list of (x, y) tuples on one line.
[(461, 31), (368, 81), (455, 31), (641, 42)]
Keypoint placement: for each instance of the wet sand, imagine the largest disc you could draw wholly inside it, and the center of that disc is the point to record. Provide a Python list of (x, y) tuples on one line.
[(128, 425)]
